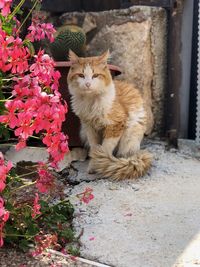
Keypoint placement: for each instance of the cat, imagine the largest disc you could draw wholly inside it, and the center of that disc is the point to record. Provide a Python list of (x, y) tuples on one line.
[(113, 118)]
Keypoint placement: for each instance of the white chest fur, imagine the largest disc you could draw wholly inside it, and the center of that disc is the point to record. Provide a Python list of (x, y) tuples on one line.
[(94, 109)]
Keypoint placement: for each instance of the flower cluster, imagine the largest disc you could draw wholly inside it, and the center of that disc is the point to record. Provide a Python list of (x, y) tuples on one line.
[(5, 7), (39, 31), (36, 106), (4, 216), (43, 68), (45, 182), (14, 55), (3, 171), (43, 242), (36, 206)]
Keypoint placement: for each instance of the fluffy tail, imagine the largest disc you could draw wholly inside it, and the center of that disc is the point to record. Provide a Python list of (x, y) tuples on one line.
[(121, 168)]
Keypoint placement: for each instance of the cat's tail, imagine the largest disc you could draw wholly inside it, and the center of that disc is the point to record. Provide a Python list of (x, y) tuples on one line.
[(121, 168)]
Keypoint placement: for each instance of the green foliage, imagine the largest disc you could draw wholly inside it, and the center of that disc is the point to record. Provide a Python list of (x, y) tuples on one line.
[(4, 132), (73, 250), (24, 218), (56, 218), (7, 24), (69, 37), (30, 46), (21, 228)]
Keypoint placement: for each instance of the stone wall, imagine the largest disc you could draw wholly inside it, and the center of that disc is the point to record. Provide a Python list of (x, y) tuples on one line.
[(136, 38)]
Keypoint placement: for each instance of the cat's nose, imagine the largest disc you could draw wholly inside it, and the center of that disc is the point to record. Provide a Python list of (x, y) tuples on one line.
[(88, 84)]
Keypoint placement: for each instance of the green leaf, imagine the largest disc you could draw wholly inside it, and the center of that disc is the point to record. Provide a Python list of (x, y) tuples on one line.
[(7, 28), (30, 46), (4, 133), (73, 250), (67, 234), (32, 229), (9, 206), (24, 245), (44, 206)]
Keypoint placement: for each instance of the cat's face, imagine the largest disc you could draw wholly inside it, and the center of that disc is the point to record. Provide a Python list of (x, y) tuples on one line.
[(89, 76)]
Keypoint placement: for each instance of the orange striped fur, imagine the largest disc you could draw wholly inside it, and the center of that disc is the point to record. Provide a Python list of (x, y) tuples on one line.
[(112, 116)]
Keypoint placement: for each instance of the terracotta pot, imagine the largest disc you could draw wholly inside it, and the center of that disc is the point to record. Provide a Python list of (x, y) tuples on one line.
[(71, 126)]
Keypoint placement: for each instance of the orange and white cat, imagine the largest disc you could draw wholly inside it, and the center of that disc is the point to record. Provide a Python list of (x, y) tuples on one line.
[(112, 117)]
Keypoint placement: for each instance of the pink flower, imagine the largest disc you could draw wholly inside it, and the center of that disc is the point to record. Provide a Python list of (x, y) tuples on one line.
[(36, 206), (21, 144), (39, 31), (43, 68), (1, 238), (19, 56), (43, 242), (14, 56), (4, 216), (36, 105), (5, 6), (2, 185), (57, 146), (4, 51), (86, 196), (73, 258), (45, 181), (64, 251), (26, 127), (4, 170)]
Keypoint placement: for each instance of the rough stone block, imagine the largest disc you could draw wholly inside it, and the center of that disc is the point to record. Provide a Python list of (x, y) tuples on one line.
[(136, 38)]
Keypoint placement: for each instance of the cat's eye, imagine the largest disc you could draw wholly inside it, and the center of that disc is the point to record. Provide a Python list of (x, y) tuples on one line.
[(95, 76), (81, 75)]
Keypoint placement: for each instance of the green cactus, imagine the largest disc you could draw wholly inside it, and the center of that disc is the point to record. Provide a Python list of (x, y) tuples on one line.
[(68, 37)]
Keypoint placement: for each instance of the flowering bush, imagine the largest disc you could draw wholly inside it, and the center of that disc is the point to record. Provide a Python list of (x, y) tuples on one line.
[(35, 104), (31, 106)]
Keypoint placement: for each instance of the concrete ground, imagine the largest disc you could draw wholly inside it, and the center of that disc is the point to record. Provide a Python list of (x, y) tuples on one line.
[(151, 222)]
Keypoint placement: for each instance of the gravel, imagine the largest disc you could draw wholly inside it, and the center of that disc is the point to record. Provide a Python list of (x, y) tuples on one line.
[(15, 258)]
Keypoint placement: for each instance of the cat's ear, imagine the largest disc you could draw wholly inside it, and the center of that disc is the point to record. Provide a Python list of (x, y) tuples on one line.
[(104, 57), (72, 56)]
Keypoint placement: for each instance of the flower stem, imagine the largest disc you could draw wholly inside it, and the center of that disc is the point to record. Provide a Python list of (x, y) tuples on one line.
[(31, 136), (17, 8), (19, 235), (7, 99), (7, 80), (35, 137), (22, 24), (26, 174), (23, 186)]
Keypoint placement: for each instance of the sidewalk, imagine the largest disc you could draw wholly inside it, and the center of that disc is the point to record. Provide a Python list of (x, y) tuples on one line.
[(152, 222)]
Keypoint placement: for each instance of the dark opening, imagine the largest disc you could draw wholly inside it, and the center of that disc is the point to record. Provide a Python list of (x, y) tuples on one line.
[(62, 6), (194, 74)]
